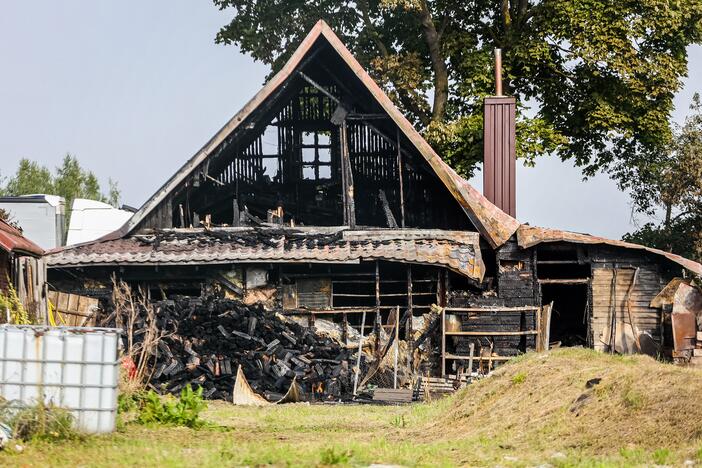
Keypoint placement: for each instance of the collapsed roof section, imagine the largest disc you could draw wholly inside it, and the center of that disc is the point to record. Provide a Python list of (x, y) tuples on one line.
[(324, 72)]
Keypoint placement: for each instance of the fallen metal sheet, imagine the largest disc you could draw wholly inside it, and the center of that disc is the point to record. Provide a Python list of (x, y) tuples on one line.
[(243, 394), (529, 236)]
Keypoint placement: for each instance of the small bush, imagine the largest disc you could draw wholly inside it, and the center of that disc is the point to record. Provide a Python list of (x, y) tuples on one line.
[(184, 411), (331, 457), (39, 422), (11, 302), (519, 378), (130, 401)]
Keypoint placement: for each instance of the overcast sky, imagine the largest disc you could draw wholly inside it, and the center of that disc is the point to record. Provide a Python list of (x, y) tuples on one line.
[(135, 88)]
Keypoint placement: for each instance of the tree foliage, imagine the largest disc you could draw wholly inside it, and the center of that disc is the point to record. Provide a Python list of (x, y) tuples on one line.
[(600, 75), (671, 183), (69, 181)]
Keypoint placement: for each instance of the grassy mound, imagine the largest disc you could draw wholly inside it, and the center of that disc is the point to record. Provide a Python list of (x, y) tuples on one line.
[(579, 400)]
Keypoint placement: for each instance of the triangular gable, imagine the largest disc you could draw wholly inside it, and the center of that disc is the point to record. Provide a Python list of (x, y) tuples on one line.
[(494, 225)]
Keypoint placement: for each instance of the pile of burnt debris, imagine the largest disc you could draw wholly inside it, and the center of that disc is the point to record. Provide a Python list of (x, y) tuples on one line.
[(206, 339)]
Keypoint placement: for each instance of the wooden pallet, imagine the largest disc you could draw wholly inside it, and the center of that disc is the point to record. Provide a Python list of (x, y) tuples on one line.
[(393, 395)]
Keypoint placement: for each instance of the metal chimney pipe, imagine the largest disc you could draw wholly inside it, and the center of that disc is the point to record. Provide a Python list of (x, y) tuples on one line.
[(499, 146), (498, 72)]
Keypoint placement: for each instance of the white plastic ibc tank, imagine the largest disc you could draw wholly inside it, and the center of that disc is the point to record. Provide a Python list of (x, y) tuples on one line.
[(76, 368)]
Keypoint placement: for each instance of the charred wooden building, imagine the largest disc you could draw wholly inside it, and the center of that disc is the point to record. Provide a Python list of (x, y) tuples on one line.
[(319, 198)]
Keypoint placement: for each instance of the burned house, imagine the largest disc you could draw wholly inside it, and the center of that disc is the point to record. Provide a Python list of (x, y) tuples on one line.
[(320, 200)]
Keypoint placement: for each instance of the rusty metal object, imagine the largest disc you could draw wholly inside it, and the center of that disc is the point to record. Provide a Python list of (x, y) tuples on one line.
[(687, 306), (528, 236), (12, 240), (498, 72)]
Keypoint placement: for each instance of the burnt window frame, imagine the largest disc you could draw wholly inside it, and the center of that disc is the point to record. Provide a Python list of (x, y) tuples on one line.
[(316, 163)]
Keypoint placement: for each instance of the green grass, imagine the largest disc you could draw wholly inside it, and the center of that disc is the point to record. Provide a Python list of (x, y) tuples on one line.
[(307, 435), (520, 417)]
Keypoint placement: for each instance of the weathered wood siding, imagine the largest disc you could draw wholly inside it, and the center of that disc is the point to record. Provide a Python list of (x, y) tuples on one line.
[(606, 301)]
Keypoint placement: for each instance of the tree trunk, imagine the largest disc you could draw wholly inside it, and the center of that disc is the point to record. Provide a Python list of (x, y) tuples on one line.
[(441, 83)]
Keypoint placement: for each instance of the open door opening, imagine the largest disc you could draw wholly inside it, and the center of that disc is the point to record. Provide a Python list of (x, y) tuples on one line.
[(569, 317)]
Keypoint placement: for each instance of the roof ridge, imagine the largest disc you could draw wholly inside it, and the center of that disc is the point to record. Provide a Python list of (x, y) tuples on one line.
[(494, 224)]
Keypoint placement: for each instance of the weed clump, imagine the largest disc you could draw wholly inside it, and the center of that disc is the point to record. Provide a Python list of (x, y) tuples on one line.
[(519, 378), (39, 422), (331, 456)]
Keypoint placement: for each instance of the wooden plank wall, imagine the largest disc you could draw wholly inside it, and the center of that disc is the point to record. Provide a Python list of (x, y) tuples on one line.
[(4, 271), (648, 284)]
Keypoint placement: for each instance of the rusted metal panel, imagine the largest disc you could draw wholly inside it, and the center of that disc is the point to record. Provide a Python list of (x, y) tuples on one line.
[(12, 240), (529, 236), (499, 127), (314, 293), (687, 306)]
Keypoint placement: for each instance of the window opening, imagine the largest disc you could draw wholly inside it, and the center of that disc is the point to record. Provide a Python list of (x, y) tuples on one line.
[(316, 155)]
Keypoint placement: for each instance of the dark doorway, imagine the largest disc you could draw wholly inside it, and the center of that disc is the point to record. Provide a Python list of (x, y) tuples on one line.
[(569, 317)]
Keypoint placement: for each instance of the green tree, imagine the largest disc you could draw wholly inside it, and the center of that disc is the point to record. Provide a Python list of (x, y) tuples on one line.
[(671, 183), (70, 181), (29, 178), (600, 75)]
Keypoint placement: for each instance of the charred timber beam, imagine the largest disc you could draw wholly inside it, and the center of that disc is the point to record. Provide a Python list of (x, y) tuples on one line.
[(347, 179), (399, 176), (357, 116), (319, 87)]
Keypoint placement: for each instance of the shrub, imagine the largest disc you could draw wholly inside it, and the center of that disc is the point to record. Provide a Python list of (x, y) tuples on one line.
[(11, 302), (519, 378), (184, 411)]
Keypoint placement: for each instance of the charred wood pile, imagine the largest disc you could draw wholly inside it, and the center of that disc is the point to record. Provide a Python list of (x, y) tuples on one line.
[(206, 339)]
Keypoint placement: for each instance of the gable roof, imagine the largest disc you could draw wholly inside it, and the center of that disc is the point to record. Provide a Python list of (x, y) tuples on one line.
[(495, 225)]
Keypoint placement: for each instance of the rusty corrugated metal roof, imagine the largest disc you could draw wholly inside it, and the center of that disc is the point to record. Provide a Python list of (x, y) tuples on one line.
[(528, 236), (12, 240), (457, 250)]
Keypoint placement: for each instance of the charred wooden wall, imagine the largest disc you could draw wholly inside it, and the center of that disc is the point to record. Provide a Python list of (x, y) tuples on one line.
[(516, 286)]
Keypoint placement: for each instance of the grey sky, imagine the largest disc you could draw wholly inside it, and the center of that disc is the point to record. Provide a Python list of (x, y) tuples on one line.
[(134, 88)]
